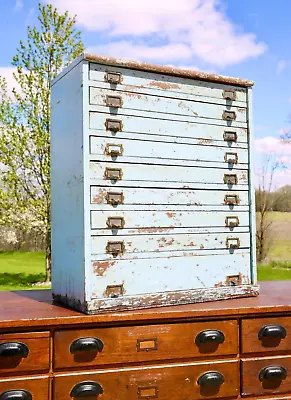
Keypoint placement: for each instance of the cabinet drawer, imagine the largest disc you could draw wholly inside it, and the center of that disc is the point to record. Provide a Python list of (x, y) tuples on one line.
[(166, 85), (125, 126), (266, 375), (136, 175), (132, 245), (124, 198), (173, 382), (266, 334), (25, 388), (23, 352), (107, 149), (144, 343), (128, 103)]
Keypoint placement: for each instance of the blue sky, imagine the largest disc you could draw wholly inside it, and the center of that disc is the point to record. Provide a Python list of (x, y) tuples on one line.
[(248, 39)]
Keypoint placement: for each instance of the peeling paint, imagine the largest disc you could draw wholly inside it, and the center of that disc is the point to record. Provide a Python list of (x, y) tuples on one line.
[(164, 85), (100, 267)]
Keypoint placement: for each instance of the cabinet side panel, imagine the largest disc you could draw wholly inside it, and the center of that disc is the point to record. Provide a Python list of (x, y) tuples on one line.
[(252, 189), (67, 181)]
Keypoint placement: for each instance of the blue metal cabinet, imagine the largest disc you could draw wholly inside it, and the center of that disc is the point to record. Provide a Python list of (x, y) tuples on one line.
[(152, 196)]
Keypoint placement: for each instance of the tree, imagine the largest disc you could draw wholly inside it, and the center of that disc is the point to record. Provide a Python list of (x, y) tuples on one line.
[(25, 122)]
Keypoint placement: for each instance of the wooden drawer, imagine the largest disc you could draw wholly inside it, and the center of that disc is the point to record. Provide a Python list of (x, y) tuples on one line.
[(266, 334), (162, 152), (264, 375), (129, 103), (169, 219), (23, 352), (125, 198), (136, 127), (136, 175), (173, 382), (131, 246), (164, 85), (145, 343), (34, 388)]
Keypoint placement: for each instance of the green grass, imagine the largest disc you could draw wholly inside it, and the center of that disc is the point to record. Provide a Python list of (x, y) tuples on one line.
[(19, 270), (274, 271)]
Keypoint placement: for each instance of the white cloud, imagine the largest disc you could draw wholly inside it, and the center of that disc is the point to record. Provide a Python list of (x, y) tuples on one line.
[(18, 5), (187, 29), (272, 145), (282, 64)]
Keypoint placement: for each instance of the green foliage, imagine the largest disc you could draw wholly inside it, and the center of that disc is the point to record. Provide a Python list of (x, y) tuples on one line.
[(274, 271), (25, 121)]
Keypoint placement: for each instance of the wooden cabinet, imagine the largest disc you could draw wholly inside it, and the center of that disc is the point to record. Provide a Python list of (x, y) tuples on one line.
[(236, 349), (152, 199)]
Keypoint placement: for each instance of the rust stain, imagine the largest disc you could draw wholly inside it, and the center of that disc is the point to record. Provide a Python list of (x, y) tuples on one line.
[(170, 214), (201, 246), (205, 141), (195, 113), (165, 242), (191, 244), (164, 85), (151, 230), (99, 198), (244, 177), (100, 267)]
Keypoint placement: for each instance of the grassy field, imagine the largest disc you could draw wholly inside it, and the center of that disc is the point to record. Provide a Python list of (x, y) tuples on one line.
[(281, 237)]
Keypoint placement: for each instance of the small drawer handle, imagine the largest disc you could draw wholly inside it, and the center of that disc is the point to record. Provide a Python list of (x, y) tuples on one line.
[(230, 136), (114, 150), (230, 179), (86, 344), (231, 158), (115, 198), (210, 335), (273, 372), (272, 331), (115, 248), (231, 199), (16, 395), (211, 379), (86, 389), (229, 115), (232, 243), (113, 125), (114, 101), (113, 77), (232, 222), (113, 174), (115, 222), (10, 349), (229, 94)]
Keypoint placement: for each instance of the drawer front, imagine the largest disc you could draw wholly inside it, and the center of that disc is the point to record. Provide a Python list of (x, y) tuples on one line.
[(148, 82), (170, 219), (113, 175), (133, 245), (107, 199), (23, 352), (145, 343), (266, 335), (162, 152), (25, 388), (128, 103), (155, 129), (266, 375), (173, 382), (168, 272)]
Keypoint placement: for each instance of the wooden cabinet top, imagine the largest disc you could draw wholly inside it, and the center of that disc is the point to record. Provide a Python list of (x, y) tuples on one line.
[(36, 309)]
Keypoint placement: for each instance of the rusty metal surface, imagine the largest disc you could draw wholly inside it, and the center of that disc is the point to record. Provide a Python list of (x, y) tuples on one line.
[(205, 76)]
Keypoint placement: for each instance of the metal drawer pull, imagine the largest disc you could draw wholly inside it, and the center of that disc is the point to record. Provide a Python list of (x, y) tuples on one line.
[(211, 379), (11, 349), (114, 198), (113, 174), (86, 389), (16, 395), (273, 372), (114, 101), (232, 222), (232, 243), (229, 115), (115, 222), (113, 77), (114, 150), (86, 344), (230, 136), (115, 248), (149, 392), (229, 94), (231, 199), (210, 335), (230, 179), (231, 158), (113, 125), (272, 331)]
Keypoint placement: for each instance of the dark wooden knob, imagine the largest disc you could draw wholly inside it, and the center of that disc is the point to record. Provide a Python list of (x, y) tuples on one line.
[(16, 395), (272, 331), (10, 349), (210, 379), (86, 389), (86, 344), (273, 372), (210, 335)]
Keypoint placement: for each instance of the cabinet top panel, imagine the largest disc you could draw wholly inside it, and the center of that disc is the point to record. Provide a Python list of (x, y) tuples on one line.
[(138, 65)]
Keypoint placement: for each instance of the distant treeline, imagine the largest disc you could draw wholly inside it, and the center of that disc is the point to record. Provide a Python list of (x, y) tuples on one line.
[(279, 200)]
